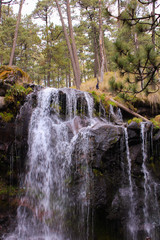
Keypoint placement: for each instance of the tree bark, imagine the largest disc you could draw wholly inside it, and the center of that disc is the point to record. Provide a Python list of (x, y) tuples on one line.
[(96, 55), (119, 12), (104, 54), (48, 52), (153, 22), (101, 42), (0, 11), (16, 33), (76, 76), (73, 44)]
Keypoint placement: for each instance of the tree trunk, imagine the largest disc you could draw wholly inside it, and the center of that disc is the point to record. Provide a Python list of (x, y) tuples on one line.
[(104, 54), (69, 77), (73, 44), (153, 22), (101, 42), (76, 76), (0, 11), (16, 33), (48, 60), (119, 12), (96, 56)]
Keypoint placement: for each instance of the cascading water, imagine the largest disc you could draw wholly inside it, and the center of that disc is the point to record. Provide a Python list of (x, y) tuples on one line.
[(151, 207), (132, 218), (64, 173), (43, 211)]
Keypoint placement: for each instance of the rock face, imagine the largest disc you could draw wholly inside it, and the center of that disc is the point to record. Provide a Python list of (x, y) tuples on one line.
[(109, 186), (13, 150)]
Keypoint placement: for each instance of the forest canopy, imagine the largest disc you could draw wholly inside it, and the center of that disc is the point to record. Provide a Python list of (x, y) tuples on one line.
[(92, 37)]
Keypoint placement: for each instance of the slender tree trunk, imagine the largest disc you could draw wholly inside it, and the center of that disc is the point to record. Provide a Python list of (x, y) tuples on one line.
[(119, 12), (58, 78), (96, 56), (153, 22), (105, 57), (0, 11), (76, 76), (66, 79), (69, 76), (48, 60), (16, 33), (73, 44), (101, 42)]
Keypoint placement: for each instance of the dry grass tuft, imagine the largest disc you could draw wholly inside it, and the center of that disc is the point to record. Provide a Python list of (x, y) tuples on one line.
[(104, 87), (153, 99)]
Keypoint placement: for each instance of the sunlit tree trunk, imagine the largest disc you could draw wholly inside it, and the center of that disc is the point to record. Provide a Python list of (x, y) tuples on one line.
[(16, 33)]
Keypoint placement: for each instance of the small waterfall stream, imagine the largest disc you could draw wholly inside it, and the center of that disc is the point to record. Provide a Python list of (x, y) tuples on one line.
[(150, 208), (132, 221)]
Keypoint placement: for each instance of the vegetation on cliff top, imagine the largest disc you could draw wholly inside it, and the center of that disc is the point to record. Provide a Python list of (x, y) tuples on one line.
[(14, 87)]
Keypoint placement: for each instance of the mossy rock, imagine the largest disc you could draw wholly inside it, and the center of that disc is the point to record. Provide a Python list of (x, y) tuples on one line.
[(14, 75), (136, 120)]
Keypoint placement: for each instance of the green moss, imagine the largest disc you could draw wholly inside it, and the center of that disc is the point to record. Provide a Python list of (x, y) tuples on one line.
[(95, 96), (103, 96), (6, 117), (97, 172), (155, 123), (17, 90), (14, 97), (109, 102), (137, 120)]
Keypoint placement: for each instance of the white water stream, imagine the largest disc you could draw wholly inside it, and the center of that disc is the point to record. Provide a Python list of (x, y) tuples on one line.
[(151, 207), (132, 218), (43, 209)]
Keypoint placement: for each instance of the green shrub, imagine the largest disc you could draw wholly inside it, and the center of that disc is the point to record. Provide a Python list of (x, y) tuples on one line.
[(6, 117)]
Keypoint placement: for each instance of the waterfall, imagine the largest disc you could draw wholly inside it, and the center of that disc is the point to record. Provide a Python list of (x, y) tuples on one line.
[(115, 117), (77, 166), (54, 131), (150, 208), (132, 221)]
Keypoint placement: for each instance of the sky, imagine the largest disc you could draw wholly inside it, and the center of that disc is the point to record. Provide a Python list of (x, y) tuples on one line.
[(29, 6)]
